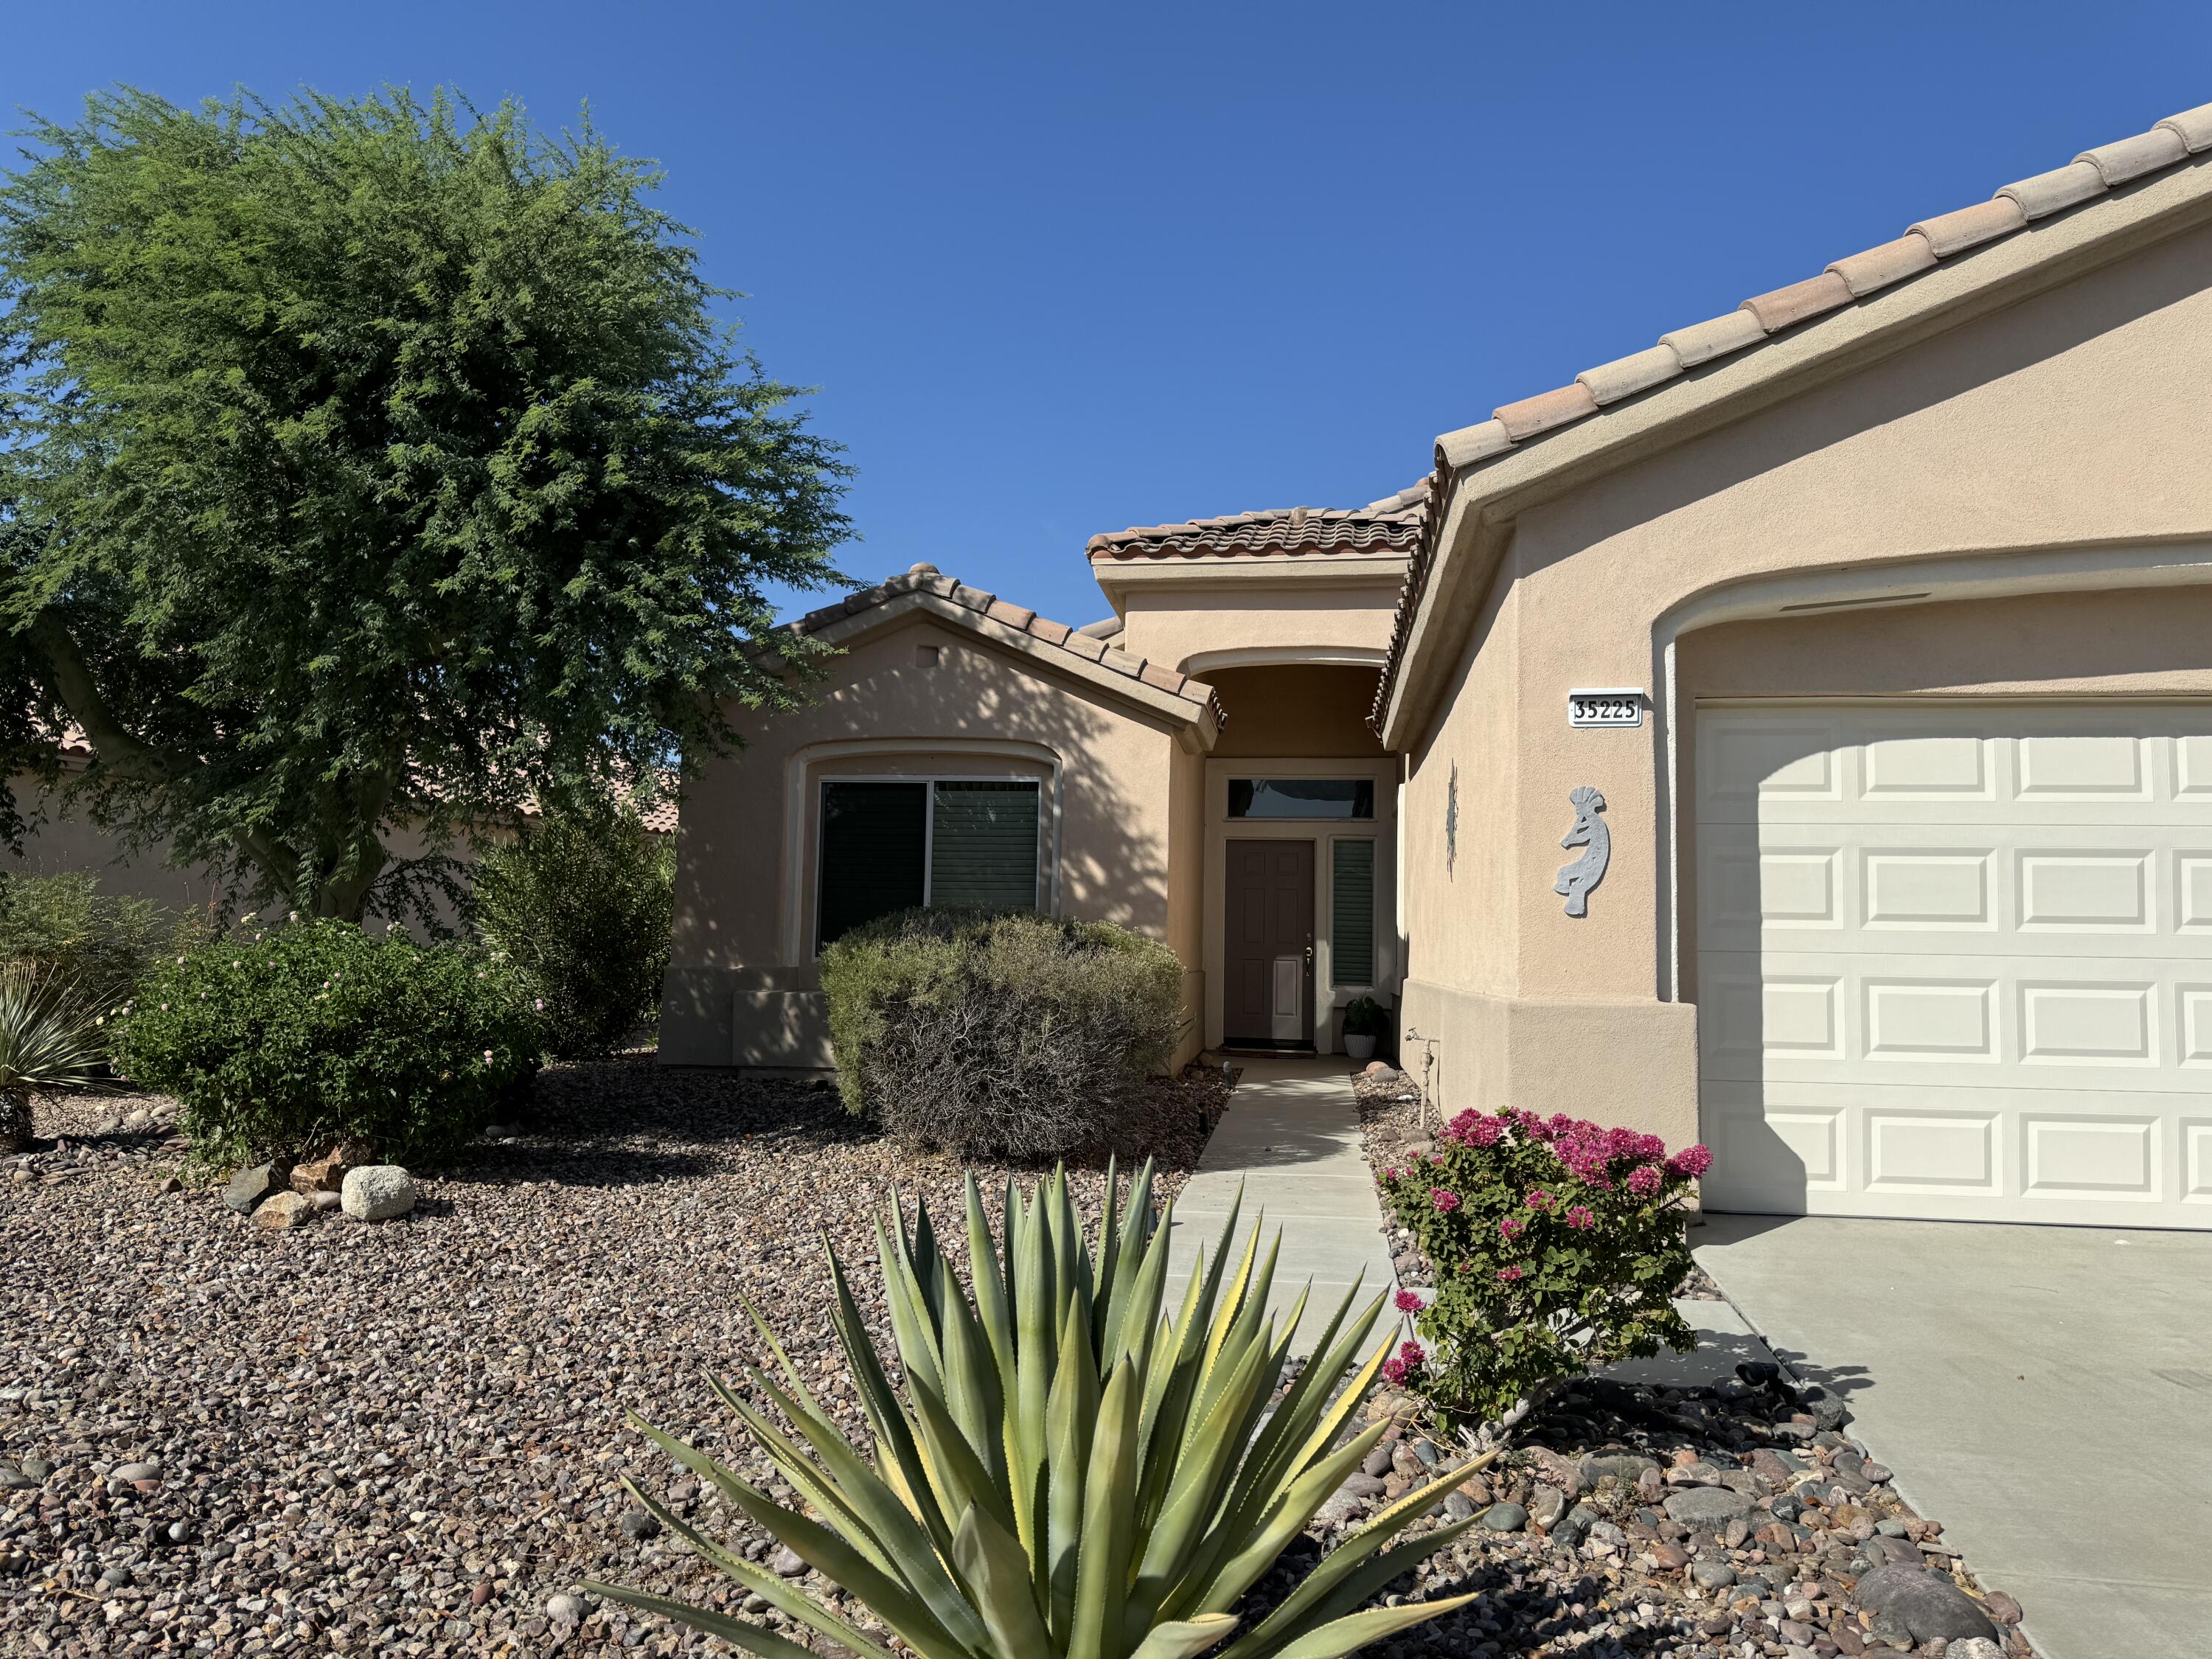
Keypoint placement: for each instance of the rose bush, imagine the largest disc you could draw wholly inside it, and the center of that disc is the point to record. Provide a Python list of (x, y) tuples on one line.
[(1558, 1246)]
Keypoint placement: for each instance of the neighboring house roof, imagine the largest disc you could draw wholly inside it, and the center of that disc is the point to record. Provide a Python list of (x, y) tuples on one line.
[(1845, 283), (1379, 528), (1072, 649)]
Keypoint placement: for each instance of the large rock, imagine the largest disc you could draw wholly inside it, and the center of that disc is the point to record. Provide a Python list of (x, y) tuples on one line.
[(248, 1187), (378, 1192), (1927, 1606), (1707, 1507), (285, 1210), (321, 1174)]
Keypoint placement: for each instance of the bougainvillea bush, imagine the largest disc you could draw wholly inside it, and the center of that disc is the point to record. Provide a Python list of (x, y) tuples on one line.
[(1558, 1246)]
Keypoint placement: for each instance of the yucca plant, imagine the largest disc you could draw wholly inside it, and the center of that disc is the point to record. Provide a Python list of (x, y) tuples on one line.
[(48, 1042), (1069, 1472)]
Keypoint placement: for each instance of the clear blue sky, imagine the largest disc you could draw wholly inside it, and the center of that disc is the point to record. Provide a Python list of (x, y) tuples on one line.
[(1058, 269)]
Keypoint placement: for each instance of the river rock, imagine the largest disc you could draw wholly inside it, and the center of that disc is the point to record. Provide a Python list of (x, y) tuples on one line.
[(378, 1192), (1707, 1508), (1545, 1505), (1929, 1607), (1626, 1466)]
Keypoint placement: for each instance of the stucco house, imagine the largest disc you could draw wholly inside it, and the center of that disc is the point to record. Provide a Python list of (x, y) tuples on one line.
[(1859, 640)]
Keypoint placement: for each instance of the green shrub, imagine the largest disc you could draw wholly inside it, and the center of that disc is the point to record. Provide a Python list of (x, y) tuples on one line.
[(584, 908), (998, 1031), (102, 944), (1558, 1247), (317, 1031), (48, 1042), (1072, 1470), (1363, 1017)]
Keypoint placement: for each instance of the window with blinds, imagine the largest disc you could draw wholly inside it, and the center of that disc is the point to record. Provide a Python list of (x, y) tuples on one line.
[(983, 845), (892, 845), (1351, 913)]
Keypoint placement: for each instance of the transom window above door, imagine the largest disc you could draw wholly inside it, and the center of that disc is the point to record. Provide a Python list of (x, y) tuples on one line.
[(1301, 797), (895, 844)]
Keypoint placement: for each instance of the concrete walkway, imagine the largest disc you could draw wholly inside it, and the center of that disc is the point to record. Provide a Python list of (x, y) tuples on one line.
[(2042, 1391), (1290, 1137)]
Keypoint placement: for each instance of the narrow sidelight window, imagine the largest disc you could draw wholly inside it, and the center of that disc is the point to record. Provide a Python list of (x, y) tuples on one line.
[(1351, 913)]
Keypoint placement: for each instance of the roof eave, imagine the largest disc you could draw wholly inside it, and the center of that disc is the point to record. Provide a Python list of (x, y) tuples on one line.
[(1117, 578), (1194, 707), (1478, 503)]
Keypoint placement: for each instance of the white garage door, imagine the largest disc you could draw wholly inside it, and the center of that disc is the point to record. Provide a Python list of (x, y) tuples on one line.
[(1956, 961)]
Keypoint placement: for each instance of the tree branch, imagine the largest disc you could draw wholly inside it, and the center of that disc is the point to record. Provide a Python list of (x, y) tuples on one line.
[(69, 679)]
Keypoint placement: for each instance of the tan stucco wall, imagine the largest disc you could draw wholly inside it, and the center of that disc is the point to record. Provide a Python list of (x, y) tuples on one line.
[(2068, 423), (744, 888), (1258, 607), (57, 841), (1187, 893), (1312, 709)]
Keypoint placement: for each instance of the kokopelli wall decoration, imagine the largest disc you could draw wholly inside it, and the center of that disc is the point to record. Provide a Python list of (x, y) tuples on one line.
[(1589, 833)]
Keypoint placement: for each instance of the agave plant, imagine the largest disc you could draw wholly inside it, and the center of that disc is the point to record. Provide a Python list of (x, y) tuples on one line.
[(1067, 1472), (48, 1043)]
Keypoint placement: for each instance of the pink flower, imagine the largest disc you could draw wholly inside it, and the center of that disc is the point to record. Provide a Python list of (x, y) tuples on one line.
[(1407, 1301), (1512, 1226), (1580, 1218), (1391, 1174), (1539, 1200), (1445, 1201), (1507, 1275), (1644, 1180), (1405, 1364), (1691, 1160)]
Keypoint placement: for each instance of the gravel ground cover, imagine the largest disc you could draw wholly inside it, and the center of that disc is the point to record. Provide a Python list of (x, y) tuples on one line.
[(1735, 1521), (406, 1437)]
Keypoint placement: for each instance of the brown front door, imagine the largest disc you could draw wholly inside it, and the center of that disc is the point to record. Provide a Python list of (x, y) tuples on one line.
[(1268, 1000)]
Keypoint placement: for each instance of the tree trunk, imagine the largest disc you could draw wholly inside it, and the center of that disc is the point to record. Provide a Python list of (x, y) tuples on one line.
[(14, 1121)]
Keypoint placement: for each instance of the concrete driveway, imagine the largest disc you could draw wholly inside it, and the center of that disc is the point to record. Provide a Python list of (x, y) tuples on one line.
[(2045, 1392)]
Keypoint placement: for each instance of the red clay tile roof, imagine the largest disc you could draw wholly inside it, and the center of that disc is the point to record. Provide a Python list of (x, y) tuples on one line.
[(1373, 529), (1845, 281), (1086, 647)]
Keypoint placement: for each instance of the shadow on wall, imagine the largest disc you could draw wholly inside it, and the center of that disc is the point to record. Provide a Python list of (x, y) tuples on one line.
[(1116, 796)]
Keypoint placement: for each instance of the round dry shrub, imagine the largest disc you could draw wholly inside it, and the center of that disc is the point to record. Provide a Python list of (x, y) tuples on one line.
[(999, 1032), (317, 1032)]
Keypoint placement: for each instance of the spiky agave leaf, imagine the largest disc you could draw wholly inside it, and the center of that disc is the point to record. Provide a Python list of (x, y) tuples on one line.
[(1068, 1469)]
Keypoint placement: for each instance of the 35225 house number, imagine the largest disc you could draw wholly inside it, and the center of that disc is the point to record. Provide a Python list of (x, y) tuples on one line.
[(1606, 706)]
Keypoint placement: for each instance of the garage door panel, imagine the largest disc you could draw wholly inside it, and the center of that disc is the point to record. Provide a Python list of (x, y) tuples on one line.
[(2103, 1157), (1961, 965), (2067, 1157)]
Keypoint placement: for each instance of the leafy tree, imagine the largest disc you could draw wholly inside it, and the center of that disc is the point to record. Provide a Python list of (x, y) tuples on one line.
[(373, 469)]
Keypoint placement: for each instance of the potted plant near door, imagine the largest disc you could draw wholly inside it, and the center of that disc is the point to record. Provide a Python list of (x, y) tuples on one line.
[(1364, 1021)]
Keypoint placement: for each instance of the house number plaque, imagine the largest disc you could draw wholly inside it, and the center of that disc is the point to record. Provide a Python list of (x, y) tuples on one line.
[(1606, 706)]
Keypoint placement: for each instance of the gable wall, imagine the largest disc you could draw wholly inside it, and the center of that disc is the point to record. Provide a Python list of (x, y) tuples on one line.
[(2076, 420), (743, 881)]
